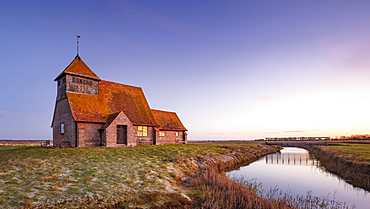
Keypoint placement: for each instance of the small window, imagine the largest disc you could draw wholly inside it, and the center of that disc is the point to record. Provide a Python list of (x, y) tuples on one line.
[(62, 128), (142, 130), (162, 133), (177, 133)]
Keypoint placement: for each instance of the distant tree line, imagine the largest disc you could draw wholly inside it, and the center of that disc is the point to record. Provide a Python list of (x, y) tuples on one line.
[(354, 137)]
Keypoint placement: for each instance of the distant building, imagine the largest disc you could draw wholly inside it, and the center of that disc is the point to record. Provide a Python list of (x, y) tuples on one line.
[(93, 112)]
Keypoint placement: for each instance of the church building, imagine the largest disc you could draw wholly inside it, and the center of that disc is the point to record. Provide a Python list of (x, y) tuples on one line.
[(92, 112)]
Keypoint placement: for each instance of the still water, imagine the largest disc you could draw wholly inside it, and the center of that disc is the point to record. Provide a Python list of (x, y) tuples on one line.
[(296, 172)]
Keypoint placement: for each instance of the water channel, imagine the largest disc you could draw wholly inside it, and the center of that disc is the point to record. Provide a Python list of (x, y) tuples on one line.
[(295, 171)]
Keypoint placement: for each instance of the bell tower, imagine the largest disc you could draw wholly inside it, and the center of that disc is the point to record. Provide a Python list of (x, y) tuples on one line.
[(78, 78)]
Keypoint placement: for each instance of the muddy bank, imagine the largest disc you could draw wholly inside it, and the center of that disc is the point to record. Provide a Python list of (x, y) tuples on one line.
[(354, 172), (209, 188)]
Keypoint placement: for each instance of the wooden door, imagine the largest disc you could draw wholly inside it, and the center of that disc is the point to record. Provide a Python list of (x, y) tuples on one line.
[(121, 134)]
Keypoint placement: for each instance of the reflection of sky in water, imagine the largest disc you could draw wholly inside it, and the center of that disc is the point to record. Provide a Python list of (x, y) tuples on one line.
[(294, 170)]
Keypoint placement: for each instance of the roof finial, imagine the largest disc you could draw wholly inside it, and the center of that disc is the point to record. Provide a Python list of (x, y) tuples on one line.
[(78, 42)]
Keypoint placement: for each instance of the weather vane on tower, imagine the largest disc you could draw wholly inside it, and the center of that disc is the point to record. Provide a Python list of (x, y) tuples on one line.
[(78, 42)]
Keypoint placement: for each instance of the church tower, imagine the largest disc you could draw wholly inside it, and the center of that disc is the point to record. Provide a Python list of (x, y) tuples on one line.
[(78, 78)]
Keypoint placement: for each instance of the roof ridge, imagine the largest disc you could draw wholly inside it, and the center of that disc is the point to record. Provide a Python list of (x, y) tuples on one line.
[(164, 111), (121, 84)]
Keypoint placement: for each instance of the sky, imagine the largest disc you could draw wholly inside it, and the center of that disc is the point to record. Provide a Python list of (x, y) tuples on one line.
[(235, 69)]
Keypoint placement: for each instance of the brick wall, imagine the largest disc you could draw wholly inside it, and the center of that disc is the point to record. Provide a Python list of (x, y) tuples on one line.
[(88, 134), (63, 115), (145, 140), (170, 137), (110, 132)]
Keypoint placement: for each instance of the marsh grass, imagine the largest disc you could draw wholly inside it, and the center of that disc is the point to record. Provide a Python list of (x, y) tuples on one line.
[(142, 176)]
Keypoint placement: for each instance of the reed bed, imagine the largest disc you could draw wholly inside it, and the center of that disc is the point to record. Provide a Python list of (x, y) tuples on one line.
[(216, 191)]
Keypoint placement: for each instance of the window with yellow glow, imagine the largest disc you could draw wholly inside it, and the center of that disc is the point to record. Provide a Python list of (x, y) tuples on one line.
[(177, 133), (162, 133), (142, 130)]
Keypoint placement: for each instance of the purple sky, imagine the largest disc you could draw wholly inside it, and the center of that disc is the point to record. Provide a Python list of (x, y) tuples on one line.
[(230, 69)]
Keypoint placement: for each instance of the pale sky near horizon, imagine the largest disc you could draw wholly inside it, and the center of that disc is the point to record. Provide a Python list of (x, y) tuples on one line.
[(230, 69)]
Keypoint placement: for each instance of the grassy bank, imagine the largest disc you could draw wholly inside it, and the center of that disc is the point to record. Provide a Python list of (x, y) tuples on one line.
[(209, 188), (143, 176), (349, 161)]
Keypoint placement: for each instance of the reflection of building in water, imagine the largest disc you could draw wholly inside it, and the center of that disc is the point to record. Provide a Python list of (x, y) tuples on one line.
[(291, 159)]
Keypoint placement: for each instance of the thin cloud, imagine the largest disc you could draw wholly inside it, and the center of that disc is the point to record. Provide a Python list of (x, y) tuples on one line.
[(345, 55), (360, 61), (9, 114)]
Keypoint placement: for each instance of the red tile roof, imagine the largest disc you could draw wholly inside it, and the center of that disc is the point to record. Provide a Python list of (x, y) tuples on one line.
[(79, 68), (168, 121), (112, 98)]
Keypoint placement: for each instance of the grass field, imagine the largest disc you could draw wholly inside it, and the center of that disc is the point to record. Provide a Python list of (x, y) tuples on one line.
[(355, 152), (99, 177)]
